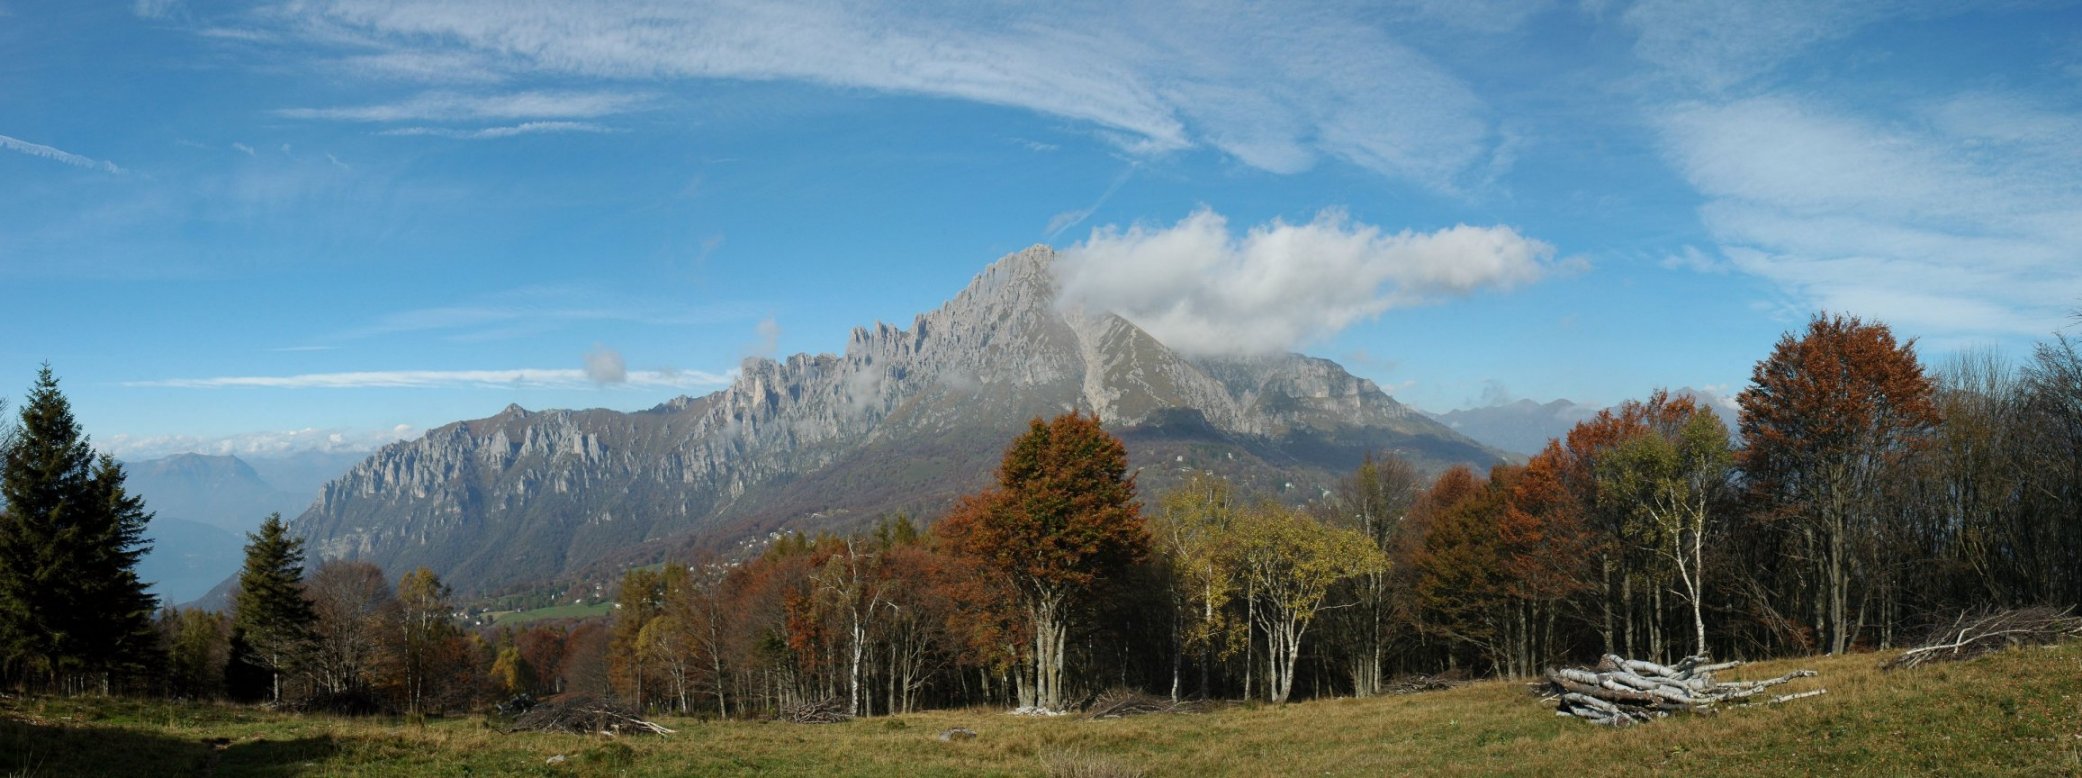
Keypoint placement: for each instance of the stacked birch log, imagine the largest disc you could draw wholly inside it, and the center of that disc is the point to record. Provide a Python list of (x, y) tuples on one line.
[(1620, 692)]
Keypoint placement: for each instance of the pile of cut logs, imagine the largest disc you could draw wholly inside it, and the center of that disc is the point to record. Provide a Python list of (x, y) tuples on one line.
[(1619, 692)]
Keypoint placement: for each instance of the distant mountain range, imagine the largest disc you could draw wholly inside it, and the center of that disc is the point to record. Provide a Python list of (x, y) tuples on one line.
[(906, 419), (1524, 427), (203, 505)]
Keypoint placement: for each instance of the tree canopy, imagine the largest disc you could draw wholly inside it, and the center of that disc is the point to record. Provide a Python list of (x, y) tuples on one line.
[(1062, 521)]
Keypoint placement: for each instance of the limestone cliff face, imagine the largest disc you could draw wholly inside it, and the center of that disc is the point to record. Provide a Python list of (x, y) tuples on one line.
[(904, 419)]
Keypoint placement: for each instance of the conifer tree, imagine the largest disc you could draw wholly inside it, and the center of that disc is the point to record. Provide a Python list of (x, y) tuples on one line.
[(118, 633), (72, 609), (271, 620)]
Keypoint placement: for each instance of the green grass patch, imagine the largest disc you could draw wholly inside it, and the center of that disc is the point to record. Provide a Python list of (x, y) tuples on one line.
[(2014, 713), (552, 612)]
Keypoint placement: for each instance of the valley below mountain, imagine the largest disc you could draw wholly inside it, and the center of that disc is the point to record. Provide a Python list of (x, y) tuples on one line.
[(203, 504)]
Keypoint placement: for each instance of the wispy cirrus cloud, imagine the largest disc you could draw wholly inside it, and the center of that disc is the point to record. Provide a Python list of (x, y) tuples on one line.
[(455, 106), (493, 133), (1927, 220), (523, 378), (538, 309), (434, 67), (1956, 215), (154, 9), (20, 146), (1274, 87), (1716, 46)]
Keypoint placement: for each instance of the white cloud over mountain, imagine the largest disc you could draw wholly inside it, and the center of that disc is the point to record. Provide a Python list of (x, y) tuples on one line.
[(1199, 288)]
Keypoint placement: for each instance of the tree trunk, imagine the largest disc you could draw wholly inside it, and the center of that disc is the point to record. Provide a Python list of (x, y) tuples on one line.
[(1695, 579), (1626, 604), (1049, 643), (853, 676), (1606, 631), (1839, 584), (1250, 638)]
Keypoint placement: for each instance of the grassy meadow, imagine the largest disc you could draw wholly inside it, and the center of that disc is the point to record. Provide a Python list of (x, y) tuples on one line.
[(2014, 713), (517, 618)]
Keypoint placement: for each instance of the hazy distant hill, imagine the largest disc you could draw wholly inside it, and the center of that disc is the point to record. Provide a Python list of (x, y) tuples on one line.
[(301, 474), (204, 504), (219, 490), (1521, 427), (905, 419), (1525, 426)]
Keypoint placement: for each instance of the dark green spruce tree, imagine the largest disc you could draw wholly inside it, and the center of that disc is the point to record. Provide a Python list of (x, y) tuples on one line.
[(73, 613), (271, 622)]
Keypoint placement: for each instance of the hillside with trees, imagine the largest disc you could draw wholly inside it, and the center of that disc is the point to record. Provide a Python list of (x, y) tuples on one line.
[(1862, 499)]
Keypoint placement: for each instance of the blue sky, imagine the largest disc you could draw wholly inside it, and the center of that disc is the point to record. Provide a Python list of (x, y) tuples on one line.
[(254, 228)]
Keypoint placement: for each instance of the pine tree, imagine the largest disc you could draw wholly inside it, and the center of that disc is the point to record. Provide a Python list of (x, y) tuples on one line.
[(72, 609), (271, 620), (119, 638)]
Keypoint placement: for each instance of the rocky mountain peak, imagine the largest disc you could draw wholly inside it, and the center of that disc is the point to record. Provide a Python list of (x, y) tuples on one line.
[(1018, 281)]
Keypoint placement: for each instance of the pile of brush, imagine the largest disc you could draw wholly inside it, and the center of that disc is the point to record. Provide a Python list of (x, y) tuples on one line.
[(830, 710), (583, 715), (1122, 702), (1413, 684), (1973, 635)]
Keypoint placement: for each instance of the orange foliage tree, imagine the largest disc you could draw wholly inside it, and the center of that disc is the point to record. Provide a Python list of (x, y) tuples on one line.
[(1062, 521), (1498, 560), (1824, 418)]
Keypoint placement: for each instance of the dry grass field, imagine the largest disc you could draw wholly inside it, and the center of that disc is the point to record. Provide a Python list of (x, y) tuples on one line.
[(2014, 713)]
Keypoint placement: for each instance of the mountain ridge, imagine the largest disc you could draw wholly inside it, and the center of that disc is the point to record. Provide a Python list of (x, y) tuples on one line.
[(904, 420)]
